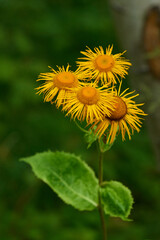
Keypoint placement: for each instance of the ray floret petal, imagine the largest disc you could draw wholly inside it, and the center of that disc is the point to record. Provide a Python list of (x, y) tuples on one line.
[(125, 118), (57, 83), (88, 102), (103, 65)]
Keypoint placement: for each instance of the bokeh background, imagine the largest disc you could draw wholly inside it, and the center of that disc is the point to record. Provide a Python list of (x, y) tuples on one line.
[(33, 35)]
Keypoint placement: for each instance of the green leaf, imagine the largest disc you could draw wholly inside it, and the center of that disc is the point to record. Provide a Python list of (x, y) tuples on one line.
[(70, 177), (90, 137), (116, 199)]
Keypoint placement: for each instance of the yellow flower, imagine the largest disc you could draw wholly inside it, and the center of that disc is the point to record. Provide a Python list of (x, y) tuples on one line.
[(104, 66), (124, 117), (89, 102), (58, 83)]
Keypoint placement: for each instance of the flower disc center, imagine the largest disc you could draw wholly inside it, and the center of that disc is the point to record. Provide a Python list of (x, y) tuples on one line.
[(120, 109), (104, 63), (66, 79), (88, 95)]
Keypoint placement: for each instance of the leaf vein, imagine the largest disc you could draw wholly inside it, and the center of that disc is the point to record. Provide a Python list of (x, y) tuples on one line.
[(66, 184)]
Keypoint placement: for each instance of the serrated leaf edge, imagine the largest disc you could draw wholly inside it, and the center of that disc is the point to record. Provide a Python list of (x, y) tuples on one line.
[(130, 207), (44, 180)]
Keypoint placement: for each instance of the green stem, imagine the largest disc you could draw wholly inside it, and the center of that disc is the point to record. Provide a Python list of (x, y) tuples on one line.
[(82, 129), (101, 212)]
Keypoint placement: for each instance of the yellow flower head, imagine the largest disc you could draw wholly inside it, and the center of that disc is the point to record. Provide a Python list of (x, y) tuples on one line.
[(58, 83), (104, 66), (124, 116), (89, 102)]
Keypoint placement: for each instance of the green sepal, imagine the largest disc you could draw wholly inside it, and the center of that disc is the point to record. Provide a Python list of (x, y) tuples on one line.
[(104, 147), (90, 137), (70, 177), (116, 199)]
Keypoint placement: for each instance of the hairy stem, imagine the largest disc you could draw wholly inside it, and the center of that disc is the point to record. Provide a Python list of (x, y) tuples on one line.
[(101, 213)]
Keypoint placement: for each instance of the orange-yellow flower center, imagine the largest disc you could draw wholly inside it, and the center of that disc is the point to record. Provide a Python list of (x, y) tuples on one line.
[(104, 63), (65, 79), (120, 109), (88, 95)]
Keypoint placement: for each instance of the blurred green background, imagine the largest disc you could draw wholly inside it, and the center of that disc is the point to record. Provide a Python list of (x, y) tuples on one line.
[(33, 35)]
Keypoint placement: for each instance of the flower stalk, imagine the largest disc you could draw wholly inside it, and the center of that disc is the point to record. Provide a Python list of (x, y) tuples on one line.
[(100, 209)]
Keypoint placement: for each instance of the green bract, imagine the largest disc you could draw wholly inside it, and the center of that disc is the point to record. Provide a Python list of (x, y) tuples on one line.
[(90, 137), (104, 147)]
